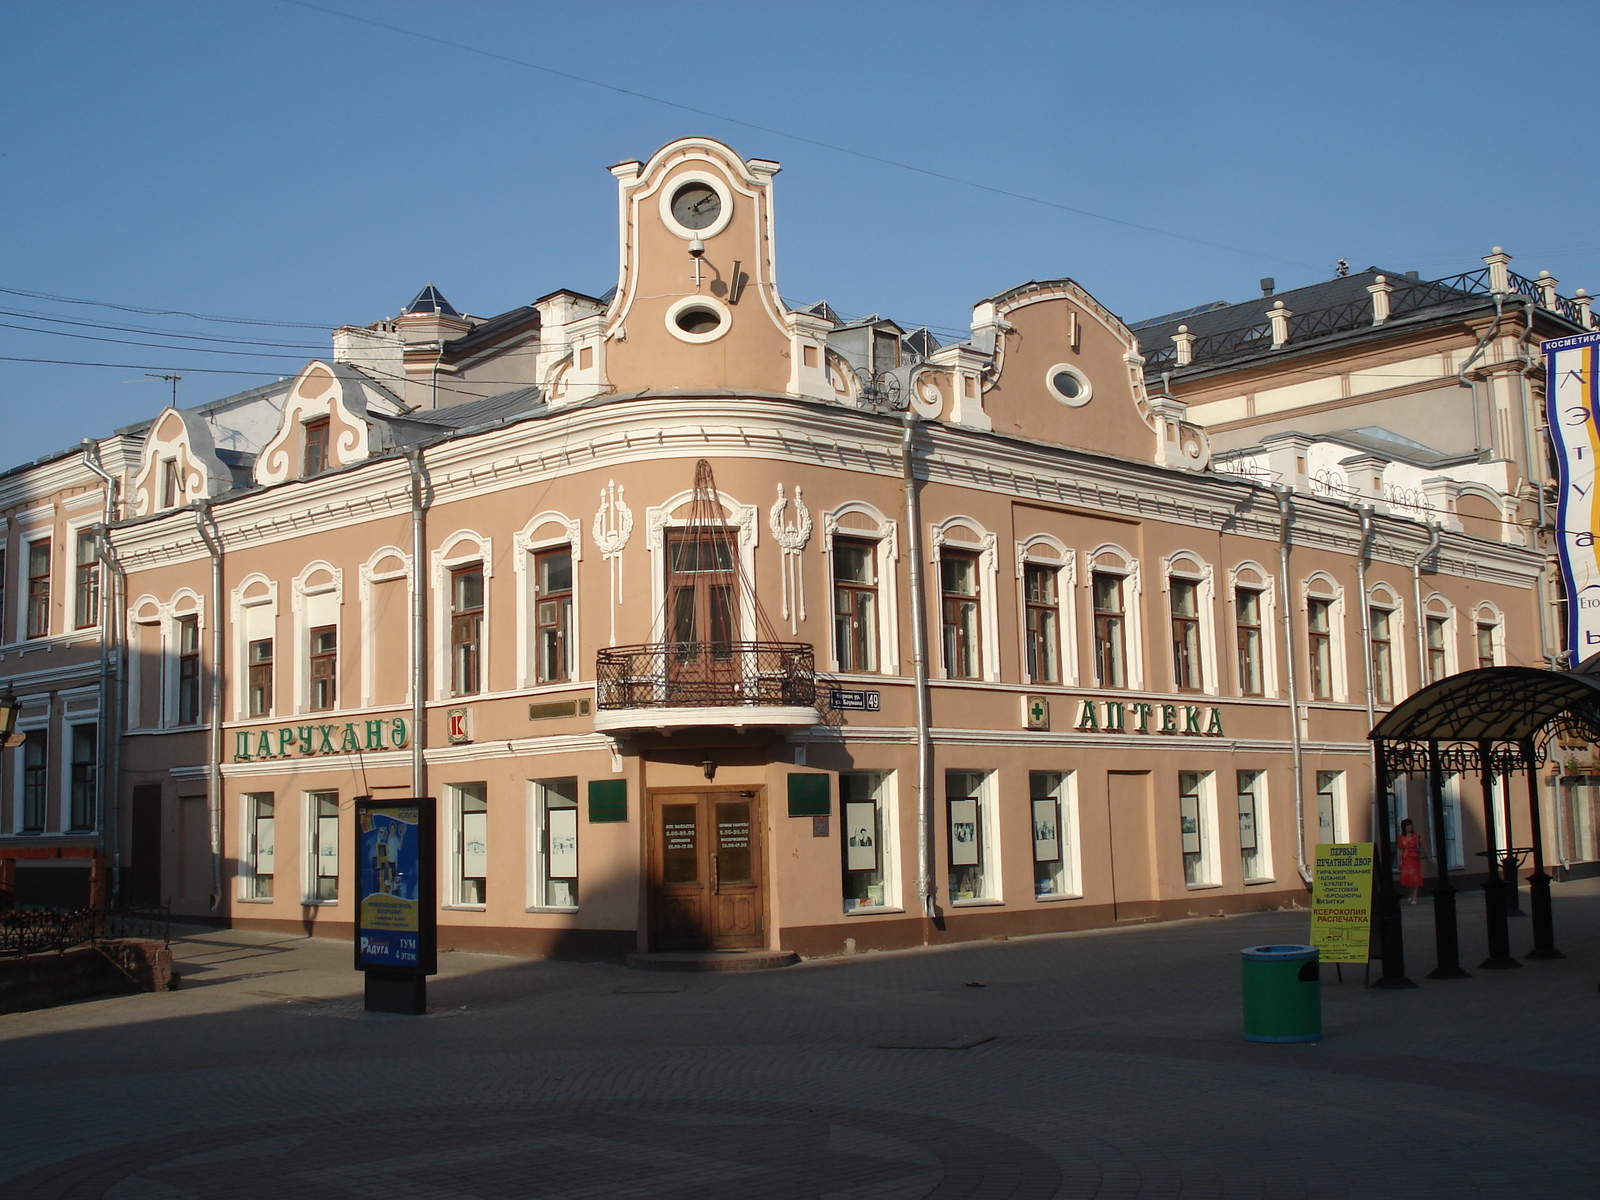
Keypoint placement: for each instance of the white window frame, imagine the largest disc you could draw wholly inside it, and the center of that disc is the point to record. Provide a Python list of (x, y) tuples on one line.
[(1341, 804), (75, 530), (1252, 576), (1210, 858), (888, 843), (743, 519), (538, 864), (249, 818), (453, 848), (886, 536), (1263, 819), (385, 565), (964, 534), (1438, 605), (988, 843), (310, 847), (1067, 831), (29, 723), (1383, 596), (305, 591), (186, 603), (256, 593), (1111, 559), (1191, 568), (1044, 550), (462, 548), (145, 614), (69, 723), (1322, 586), (43, 533), (549, 530), (1486, 613)]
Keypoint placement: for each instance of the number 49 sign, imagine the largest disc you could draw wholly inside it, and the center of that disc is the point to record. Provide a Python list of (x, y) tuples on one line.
[(396, 886)]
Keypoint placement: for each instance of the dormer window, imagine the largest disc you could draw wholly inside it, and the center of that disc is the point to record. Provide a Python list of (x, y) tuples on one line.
[(316, 454), (169, 483), (885, 350)]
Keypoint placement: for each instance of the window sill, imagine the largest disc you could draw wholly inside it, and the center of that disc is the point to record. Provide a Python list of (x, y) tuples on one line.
[(1056, 899), (874, 910), (1261, 880), (319, 903), (981, 903), (1201, 887), (551, 908), (465, 907), (258, 900)]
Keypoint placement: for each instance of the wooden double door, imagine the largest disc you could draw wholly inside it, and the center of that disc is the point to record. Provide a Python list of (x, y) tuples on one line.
[(706, 888)]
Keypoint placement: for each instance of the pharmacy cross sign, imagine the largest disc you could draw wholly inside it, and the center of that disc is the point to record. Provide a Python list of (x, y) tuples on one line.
[(1038, 713)]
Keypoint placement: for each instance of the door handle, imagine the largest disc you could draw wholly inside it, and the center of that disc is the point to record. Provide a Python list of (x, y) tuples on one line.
[(716, 877)]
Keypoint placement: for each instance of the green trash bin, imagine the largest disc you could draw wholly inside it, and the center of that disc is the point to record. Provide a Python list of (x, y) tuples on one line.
[(1282, 993)]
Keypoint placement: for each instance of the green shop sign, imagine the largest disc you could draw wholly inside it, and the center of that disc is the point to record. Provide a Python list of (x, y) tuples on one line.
[(1122, 716), (308, 741)]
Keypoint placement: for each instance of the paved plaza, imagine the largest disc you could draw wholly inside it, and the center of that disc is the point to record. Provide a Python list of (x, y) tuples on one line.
[(1105, 1064)]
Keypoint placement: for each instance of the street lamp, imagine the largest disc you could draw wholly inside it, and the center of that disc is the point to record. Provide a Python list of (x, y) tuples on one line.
[(8, 721)]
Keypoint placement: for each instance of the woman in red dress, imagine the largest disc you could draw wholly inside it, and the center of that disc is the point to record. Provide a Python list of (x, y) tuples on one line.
[(1410, 846)]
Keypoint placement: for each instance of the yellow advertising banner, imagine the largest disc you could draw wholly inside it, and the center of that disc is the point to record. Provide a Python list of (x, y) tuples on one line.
[(1341, 901)]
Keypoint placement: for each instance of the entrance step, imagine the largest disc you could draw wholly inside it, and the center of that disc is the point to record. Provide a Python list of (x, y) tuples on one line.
[(713, 960)]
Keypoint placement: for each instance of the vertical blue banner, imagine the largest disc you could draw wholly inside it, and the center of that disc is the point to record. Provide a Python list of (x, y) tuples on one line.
[(1572, 402), (389, 923)]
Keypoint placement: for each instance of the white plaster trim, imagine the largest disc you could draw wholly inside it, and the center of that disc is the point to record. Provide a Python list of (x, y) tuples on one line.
[(1132, 604), (561, 530), (887, 536), (370, 574), (743, 517), (722, 717), (1324, 586), (460, 548), (1186, 564), (1045, 549), (1266, 585), (675, 183), (941, 533)]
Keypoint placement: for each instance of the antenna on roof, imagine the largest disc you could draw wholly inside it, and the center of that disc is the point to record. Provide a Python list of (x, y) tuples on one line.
[(174, 381), (1341, 268)]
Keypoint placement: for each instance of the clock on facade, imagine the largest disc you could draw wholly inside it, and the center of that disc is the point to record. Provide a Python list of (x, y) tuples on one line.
[(696, 206)]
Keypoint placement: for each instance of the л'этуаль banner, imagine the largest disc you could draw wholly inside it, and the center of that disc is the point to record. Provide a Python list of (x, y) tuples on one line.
[(1572, 396)]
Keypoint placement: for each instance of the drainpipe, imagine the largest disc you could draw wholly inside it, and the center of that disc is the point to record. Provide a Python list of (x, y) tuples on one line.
[(108, 780), (419, 630), (205, 523), (1297, 750), (1368, 532), (919, 660), (1416, 600)]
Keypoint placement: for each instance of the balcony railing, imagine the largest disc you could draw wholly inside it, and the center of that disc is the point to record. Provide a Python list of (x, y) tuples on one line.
[(706, 675)]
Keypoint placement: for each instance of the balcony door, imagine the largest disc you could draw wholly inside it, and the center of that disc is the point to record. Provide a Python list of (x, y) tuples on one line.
[(706, 890), (702, 616)]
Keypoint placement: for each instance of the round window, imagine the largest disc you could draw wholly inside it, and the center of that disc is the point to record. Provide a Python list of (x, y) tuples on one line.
[(1069, 385), (699, 321)]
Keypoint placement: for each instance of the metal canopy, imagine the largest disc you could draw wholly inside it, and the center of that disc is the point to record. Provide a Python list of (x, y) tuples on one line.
[(1492, 704)]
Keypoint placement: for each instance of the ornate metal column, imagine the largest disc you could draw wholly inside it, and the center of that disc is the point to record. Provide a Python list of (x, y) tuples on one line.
[(1494, 894), (1447, 941), (1391, 938), (1544, 937)]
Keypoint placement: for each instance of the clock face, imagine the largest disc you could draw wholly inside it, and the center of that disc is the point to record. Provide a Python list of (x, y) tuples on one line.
[(696, 206)]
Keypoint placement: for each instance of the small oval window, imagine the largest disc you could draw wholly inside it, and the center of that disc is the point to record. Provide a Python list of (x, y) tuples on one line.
[(699, 320), (1069, 385)]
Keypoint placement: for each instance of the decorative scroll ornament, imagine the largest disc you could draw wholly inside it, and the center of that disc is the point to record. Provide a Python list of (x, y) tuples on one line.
[(792, 539), (613, 525)]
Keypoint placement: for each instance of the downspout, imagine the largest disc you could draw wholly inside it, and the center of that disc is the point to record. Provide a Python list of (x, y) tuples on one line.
[(919, 661), (419, 632), (1368, 532), (1297, 750), (1416, 600), (205, 523), (108, 781)]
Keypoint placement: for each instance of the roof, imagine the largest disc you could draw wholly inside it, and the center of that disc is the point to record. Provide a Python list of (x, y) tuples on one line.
[(1218, 317), (1490, 704), (474, 414), (430, 300), (495, 327)]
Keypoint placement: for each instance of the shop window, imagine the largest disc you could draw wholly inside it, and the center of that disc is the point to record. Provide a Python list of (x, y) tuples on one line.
[(973, 874), (865, 840), (1110, 618), (1054, 840), (962, 615), (35, 780), (85, 772), (1382, 622), (1043, 622), (86, 582), (39, 588), (470, 840), (260, 682), (555, 803), (1330, 806), (324, 667), (1579, 817), (466, 630), (322, 846), (855, 604), (1247, 630), (260, 841), (187, 632), (552, 575), (1195, 828), (1254, 860), (1187, 675)]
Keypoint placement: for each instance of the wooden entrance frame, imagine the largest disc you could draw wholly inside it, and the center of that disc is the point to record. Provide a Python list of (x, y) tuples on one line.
[(708, 882)]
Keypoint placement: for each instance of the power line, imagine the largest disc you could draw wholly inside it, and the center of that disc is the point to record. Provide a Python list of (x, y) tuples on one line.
[(161, 312), (193, 337), (69, 362), (862, 154)]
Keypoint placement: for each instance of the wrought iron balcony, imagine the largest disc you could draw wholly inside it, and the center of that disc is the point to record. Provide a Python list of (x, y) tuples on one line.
[(699, 683)]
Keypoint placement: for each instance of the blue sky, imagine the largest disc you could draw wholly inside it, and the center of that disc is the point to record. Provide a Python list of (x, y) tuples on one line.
[(262, 160)]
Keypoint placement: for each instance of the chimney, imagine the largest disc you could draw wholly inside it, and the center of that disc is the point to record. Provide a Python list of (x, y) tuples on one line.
[(1380, 288), (1185, 343), (1267, 285)]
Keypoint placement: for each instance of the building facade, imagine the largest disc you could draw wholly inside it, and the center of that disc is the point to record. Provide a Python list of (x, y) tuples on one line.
[(716, 622)]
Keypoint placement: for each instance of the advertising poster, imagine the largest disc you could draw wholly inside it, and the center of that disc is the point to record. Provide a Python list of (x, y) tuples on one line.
[(1572, 396), (861, 836), (394, 919), (1341, 901)]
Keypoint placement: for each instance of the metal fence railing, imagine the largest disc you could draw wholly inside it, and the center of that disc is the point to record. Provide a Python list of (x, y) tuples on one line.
[(43, 930), (706, 674)]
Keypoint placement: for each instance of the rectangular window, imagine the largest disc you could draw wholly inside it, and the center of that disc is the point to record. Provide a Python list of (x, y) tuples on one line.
[(1193, 828), (324, 667), (85, 767), (958, 583), (1319, 637), (471, 843), (1252, 835), (86, 583), (855, 605), (1486, 639), (260, 833), (1053, 850), (5, 592), (862, 840), (552, 583), (971, 876), (1437, 659), (1110, 661), (1330, 807), (556, 820), (260, 677), (39, 588), (323, 846), (1382, 655), (316, 456), (885, 350), (169, 483), (1186, 671), (188, 634), (1247, 635), (466, 630), (1043, 623), (35, 779)]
